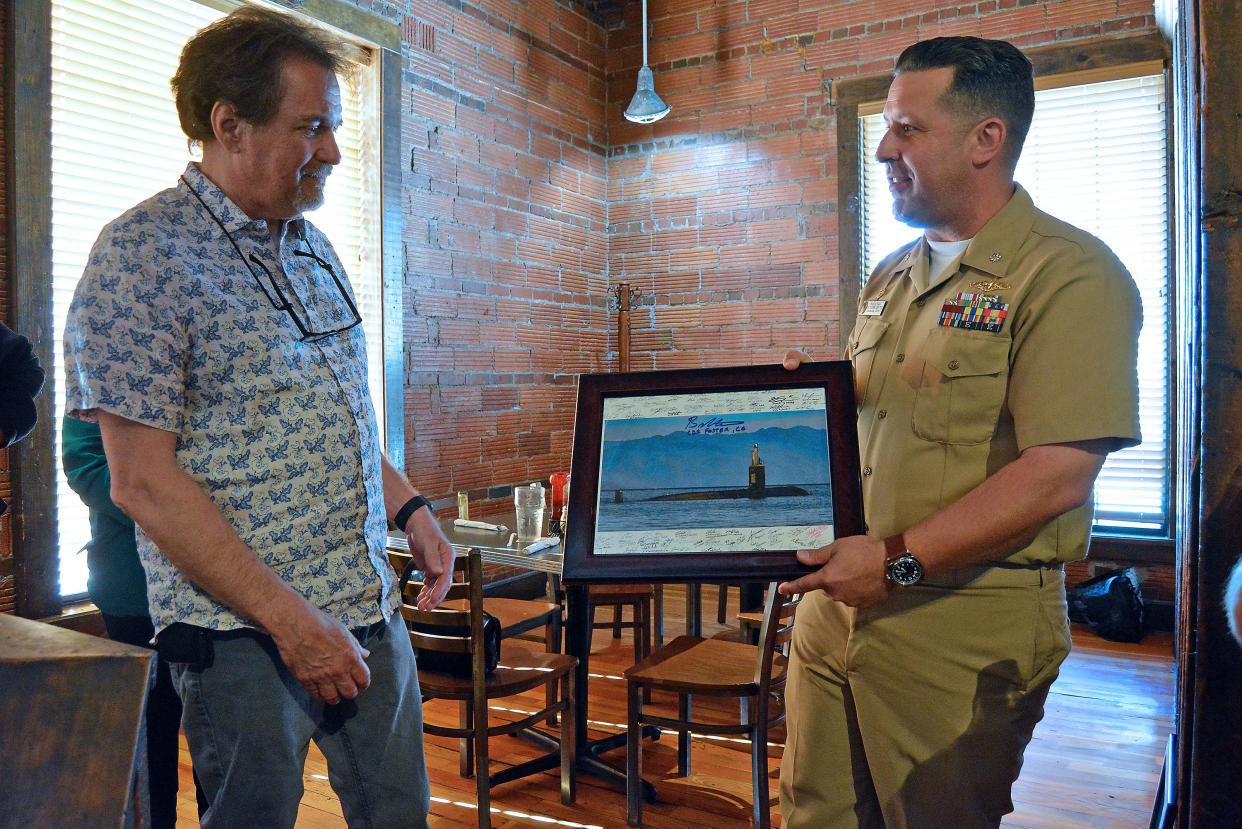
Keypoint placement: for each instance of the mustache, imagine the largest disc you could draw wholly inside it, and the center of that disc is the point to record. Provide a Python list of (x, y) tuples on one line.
[(318, 172)]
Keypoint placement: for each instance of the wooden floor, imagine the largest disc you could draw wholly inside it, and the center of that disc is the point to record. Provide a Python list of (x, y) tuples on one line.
[(1093, 763)]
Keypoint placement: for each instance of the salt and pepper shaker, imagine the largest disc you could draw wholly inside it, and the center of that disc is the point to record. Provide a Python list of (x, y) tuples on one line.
[(556, 526)]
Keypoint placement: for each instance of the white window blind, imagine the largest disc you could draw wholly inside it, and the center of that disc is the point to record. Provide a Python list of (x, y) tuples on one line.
[(116, 141), (1096, 157)]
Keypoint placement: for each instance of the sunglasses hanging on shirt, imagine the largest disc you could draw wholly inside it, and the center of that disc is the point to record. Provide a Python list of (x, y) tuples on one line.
[(280, 302)]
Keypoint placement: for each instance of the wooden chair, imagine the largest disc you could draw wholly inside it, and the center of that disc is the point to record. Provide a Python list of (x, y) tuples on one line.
[(519, 670), (722, 602), (517, 616), (748, 624), (748, 621), (638, 598), (690, 665)]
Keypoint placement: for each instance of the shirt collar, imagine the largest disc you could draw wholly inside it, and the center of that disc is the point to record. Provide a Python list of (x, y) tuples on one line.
[(996, 245), (230, 217)]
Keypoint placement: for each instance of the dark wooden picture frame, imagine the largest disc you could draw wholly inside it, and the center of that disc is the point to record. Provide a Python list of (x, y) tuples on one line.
[(604, 559)]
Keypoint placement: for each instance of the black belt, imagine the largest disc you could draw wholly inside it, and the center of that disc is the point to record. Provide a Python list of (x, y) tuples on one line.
[(1005, 565), (364, 633), (191, 644)]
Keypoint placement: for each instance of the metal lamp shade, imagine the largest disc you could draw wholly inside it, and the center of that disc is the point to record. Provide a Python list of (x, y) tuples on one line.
[(646, 106)]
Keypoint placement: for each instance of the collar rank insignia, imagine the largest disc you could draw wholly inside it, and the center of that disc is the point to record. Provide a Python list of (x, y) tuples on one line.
[(974, 312)]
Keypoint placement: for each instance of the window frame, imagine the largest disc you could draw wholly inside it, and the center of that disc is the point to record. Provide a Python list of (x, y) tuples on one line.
[(32, 463), (1069, 64)]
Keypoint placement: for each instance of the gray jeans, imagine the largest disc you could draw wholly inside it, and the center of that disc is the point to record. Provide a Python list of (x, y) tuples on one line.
[(249, 724)]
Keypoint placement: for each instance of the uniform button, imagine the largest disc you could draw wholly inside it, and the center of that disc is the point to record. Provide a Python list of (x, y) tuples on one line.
[(954, 364), (867, 471), (883, 413), (901, 358)]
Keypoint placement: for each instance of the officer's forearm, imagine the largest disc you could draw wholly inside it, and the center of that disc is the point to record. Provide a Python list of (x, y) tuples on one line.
[(1005, 512)]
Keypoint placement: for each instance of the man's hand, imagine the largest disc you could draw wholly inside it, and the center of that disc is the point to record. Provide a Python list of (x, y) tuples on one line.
[(322, 654), (794, 358), (852, 572), (150, 486), (433, 554)]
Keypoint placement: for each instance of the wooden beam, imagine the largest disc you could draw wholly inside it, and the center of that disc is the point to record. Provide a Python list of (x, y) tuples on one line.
[(1053, 59), (29, 164), (1209, 714)]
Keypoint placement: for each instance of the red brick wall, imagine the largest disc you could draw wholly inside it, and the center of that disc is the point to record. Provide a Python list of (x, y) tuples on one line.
[(724, 213), (505, 236)]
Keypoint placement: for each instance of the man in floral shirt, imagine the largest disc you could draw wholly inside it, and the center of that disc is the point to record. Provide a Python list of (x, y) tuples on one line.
[(214, 337)]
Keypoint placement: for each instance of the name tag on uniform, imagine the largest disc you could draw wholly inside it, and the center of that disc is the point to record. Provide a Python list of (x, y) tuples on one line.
[(874, 307)]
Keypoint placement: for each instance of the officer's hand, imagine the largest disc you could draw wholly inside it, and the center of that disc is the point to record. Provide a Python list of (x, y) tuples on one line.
[(852, 572), (323, 656), (794, 358), (433, 554)]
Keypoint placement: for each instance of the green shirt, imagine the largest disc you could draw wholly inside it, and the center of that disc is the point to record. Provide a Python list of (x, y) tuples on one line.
[(117, 583)]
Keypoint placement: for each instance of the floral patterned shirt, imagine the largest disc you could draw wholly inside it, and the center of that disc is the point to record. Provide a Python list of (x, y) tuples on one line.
[(177, 327)]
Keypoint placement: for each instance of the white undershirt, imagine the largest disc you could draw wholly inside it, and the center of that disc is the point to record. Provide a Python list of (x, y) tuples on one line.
[(944, 255)]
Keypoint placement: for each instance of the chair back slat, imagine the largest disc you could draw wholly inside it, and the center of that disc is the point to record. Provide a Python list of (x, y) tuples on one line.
[(423, 641), (778, 622), (459, 589), (440, 617), (398, 559), (452, 630)]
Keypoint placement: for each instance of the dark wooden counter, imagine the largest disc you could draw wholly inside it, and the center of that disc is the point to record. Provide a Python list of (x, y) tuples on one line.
[(70, 715)]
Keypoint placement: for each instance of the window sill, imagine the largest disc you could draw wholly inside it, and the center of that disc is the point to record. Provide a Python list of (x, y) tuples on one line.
[(81, 616), (1129, 550)]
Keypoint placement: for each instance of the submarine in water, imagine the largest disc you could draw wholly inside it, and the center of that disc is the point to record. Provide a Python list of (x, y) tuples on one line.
[(756, 490)]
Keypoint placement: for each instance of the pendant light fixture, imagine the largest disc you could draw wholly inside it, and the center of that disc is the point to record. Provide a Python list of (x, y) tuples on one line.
[(645, 107)]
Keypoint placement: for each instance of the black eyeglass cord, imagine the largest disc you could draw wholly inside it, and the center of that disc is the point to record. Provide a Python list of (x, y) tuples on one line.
[(283, 304)]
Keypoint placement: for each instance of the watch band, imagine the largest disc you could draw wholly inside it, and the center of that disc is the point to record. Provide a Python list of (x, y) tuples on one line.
[(895, 547), (409, 508)]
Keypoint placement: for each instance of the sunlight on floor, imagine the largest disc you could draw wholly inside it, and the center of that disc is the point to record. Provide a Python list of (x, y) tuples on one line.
[(544, 819)]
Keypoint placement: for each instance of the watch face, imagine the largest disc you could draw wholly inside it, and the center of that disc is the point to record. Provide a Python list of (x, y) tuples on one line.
[(905, 570)]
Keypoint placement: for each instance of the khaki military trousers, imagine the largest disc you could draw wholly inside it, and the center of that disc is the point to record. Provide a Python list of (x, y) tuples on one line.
[(915, 714)]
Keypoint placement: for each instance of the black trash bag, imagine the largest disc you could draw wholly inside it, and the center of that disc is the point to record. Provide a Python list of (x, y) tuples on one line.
[(1110, 603)]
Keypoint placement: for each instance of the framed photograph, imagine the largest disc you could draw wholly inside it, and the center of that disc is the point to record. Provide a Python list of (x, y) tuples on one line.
[(718, 474)]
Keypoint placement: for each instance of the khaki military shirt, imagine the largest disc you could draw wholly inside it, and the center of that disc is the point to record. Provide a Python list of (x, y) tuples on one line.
[(1031, 340)]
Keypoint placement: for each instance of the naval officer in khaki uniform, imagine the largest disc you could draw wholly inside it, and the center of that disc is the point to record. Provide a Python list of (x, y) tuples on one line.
[(995, 369)]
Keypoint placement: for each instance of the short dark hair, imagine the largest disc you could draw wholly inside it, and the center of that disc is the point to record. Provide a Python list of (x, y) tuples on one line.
[(239, 59), (991, 77)]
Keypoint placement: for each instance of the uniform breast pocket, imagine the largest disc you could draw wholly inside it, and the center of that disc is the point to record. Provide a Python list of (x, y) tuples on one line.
[(862, 350), (962, 387)]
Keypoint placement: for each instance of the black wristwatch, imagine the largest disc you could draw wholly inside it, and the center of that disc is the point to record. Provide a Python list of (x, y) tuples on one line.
[(409, 508), (901, 567)]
